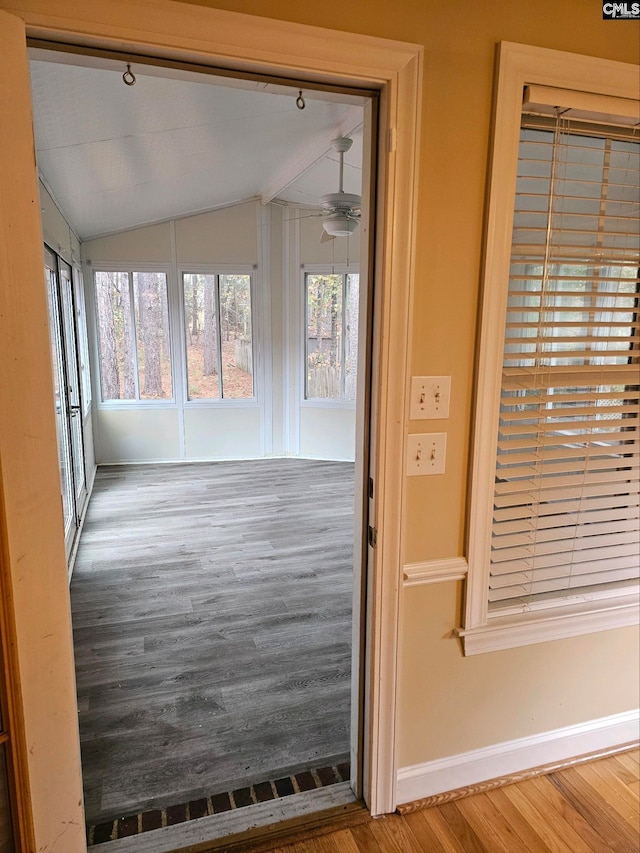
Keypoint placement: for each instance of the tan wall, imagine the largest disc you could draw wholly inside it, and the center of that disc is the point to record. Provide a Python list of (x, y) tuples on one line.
[(449, 703), (452, 704)]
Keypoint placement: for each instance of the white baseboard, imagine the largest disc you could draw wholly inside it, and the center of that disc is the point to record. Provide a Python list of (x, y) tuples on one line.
[(90, 482), (502, 759)]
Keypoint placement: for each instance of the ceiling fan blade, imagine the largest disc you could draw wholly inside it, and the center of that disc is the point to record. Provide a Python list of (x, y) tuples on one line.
[(326, 237), (306, 216)]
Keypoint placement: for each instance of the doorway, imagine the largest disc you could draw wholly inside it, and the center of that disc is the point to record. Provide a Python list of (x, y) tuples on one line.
[(68, 339), (203, 318)]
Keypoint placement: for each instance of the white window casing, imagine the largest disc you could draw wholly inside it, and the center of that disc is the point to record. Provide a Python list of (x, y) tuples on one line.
[(554, 534)]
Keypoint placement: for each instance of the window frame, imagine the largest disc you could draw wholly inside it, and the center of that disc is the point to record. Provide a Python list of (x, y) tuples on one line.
[(130, 269), (217, 270), (324, 269), (518, 67), (82, 329)]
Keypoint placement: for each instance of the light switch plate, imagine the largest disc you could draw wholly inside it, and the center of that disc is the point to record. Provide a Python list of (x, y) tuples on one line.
[(430, 397), (426, 453)]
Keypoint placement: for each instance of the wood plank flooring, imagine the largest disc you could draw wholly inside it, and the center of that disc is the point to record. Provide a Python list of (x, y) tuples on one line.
[(590, 808), (212, 625)]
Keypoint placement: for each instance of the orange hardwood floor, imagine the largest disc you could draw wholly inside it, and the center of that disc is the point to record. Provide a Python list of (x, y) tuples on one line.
[(588, 808)]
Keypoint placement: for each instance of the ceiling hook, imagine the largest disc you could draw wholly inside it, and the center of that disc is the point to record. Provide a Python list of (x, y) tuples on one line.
[(129, 77), (300, 104)]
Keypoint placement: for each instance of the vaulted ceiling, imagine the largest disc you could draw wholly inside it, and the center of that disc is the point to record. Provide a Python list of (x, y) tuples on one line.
[(175, 142)]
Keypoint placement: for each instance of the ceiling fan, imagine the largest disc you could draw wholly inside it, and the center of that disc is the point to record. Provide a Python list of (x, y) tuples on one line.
[(341, 211)]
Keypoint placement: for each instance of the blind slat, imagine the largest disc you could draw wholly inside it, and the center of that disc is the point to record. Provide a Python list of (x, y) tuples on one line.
[(579, 490), (527, 512), (589, 443), (582, 559), (555, 549), (562, 584), (542, 524), (547, 426), (590, 413)]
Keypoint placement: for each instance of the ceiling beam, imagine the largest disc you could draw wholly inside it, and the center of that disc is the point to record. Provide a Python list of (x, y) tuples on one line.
[(304, 159)]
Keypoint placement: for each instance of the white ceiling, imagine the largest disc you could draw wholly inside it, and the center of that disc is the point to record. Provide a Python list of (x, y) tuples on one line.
[(117, 156)]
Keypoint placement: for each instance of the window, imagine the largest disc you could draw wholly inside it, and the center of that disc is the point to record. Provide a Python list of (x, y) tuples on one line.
[(133, 335), (555, 527), (83, 343), (219, 348), (331, 340)]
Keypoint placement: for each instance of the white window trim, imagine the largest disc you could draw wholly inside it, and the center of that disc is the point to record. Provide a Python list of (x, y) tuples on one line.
[(518, 66), (180, 339)]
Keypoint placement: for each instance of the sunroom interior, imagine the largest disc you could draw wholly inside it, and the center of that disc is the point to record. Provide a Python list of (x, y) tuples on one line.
[(214, 335)]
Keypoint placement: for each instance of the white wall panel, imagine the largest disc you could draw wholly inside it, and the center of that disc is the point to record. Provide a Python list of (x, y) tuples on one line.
[(217, 433), (137, 435), (327, 433), (55, 229), (151, 244), (89, 449), (226, 236), (277, 290)]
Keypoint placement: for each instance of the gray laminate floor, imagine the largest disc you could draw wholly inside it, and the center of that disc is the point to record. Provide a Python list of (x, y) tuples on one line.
[(212, 626)]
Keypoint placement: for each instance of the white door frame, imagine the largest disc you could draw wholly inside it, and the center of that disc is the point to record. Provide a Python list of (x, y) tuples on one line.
[(179, 31)]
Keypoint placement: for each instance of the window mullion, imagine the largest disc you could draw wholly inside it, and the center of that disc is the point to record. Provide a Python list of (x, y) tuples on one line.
[(343, 342), (216, 298), (134, 335)]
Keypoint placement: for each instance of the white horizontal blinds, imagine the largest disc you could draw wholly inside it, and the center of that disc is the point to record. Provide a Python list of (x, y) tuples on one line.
[(566, 506)]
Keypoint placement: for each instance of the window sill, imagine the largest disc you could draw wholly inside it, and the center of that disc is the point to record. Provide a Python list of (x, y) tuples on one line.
[(586, 617), (123, 405), (225, 403), (328, 403)]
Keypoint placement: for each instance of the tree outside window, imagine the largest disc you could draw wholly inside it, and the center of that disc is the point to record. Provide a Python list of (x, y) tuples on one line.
[(133, 335), (218, 336), (331, 335)]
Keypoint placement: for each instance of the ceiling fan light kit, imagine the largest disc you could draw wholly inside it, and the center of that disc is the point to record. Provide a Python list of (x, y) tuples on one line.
[(339, 225)]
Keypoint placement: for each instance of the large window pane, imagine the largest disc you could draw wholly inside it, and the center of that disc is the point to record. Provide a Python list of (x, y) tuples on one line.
[(352, 298), (218, 336), (81, 326), (152, 332), (324, 336), (133, 336), (115, 336), (200, 316), (235, 334), (332, 336), (60, 395)]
